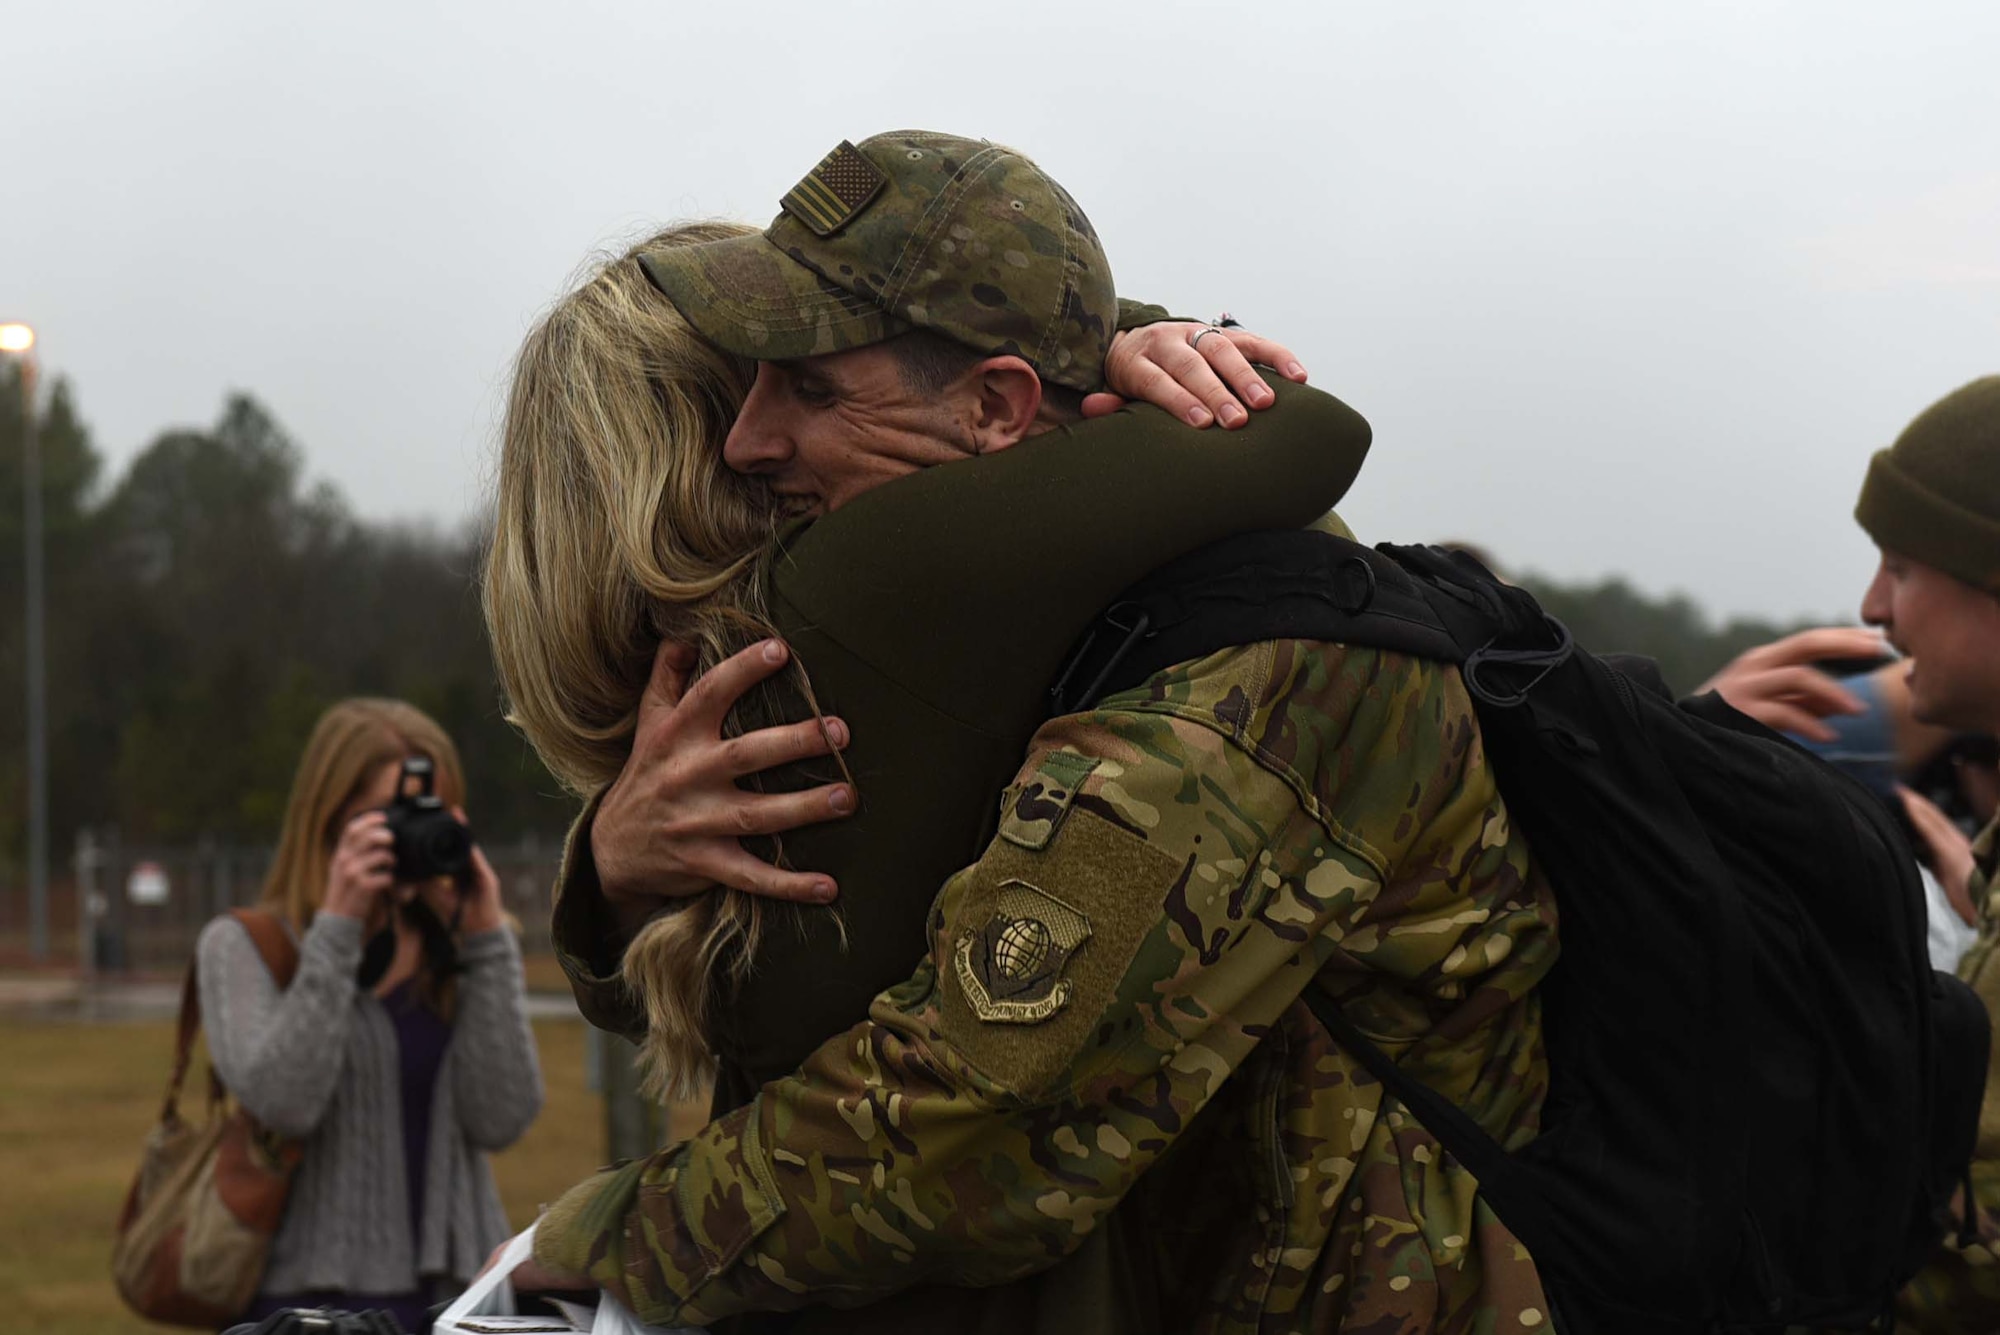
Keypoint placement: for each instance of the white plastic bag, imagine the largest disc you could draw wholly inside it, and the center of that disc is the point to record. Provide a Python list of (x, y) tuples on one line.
[(487, 1307)]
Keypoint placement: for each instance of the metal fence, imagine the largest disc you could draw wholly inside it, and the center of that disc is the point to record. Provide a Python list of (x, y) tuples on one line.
[(137, 908)]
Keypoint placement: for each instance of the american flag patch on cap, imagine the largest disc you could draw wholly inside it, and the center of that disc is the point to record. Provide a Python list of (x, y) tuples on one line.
[(833, 192)]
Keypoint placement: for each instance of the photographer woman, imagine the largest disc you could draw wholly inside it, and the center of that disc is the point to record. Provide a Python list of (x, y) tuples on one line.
[(400, 1054)]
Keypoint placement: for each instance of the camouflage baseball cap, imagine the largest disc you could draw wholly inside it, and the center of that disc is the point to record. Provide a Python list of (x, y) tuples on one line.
[(905, 230)]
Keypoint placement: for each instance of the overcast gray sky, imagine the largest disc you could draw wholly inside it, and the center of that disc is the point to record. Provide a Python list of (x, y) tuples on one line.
[(1623, 288)]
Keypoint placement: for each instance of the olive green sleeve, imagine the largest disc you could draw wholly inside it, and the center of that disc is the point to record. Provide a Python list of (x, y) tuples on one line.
[(1138, 314), (965, 582), (586, 937)]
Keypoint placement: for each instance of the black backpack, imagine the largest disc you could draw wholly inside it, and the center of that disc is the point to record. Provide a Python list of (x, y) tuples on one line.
[(1762, 1096)]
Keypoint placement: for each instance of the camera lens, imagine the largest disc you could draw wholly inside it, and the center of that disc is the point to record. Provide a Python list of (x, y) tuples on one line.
[(449, 846)]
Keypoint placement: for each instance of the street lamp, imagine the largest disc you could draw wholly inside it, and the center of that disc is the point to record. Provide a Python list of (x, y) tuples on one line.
[(18, 340)]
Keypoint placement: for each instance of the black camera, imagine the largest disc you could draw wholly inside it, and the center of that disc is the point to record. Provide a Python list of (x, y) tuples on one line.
[(430, 841)]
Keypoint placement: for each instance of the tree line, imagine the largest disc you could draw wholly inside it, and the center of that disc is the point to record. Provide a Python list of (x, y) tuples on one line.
[(203, 608), (208, 603)]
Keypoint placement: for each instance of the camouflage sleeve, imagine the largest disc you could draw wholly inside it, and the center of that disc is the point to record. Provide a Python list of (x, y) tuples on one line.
[(587, 940), (1153, 901), (1958, 1290)]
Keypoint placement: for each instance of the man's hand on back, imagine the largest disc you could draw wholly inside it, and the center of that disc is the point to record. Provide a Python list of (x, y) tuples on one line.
[(670, 825)]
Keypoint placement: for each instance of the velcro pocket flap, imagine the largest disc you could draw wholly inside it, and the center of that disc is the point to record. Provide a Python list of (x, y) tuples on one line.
[(1035, 807)]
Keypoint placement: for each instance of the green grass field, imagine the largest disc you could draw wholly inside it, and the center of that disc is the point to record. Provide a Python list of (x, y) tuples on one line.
[(76, 1100)]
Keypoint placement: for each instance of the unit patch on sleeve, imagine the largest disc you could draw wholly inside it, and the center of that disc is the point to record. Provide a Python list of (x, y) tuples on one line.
[(1011, 967)]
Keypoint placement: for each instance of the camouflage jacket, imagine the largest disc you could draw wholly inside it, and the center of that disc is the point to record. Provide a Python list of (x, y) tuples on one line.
[(1958, 1293), (1111, 1006)]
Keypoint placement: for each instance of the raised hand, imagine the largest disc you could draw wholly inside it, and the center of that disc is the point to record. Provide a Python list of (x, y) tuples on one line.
[(1777, 684), (362, 869)]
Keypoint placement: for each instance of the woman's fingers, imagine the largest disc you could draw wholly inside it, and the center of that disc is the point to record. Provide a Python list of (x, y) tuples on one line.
[(365, 845), (669, 825), (673, 665), (372, 879), (711, 852), (738, 870), (1231, 354), (369, 827), (1101, 404), (708, 702), (1199, 373), (784, 744), (1265, 352), (1193, 373), (1149, 382), (748, 813), (482, 870), (485, 909), (1230, 381)]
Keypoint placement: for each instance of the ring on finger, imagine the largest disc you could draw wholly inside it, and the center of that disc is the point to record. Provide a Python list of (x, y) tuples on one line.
[(1194, 339)]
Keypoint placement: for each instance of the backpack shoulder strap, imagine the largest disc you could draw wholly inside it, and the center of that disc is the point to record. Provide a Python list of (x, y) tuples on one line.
[(1302, 584), (273, 942), (1286, 584), (1454, 1128)]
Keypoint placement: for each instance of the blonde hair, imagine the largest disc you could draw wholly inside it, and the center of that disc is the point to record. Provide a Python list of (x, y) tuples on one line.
[(618, 526), (350, 744)]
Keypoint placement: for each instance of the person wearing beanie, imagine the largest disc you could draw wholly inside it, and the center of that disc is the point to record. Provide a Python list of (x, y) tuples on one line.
[(1934, 496), (1931, 502)]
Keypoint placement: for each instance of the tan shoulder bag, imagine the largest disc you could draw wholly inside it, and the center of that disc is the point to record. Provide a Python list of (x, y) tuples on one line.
[(198, 1222)]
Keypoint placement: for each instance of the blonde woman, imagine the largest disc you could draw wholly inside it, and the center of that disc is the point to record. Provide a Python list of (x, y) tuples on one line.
[(400, 1054), (922, 621)]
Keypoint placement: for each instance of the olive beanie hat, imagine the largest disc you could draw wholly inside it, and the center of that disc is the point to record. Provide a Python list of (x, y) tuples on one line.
[(1935, 494)]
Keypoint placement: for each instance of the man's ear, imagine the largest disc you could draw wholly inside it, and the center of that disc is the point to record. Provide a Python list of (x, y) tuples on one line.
[(1003, 401)]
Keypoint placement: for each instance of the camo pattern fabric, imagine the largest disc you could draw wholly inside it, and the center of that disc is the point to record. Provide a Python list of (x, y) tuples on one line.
[(1958, 1293), (909, 229), (1173, 869)]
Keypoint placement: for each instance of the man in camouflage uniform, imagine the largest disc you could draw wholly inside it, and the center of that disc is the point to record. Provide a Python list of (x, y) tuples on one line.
[(1108, 1030), (1931, 502)]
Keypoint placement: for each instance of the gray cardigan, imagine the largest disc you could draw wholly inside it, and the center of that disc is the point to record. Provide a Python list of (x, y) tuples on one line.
[(319, 1061)]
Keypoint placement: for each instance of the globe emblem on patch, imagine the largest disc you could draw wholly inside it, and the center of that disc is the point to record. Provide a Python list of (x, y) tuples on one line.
[(1022, 948)]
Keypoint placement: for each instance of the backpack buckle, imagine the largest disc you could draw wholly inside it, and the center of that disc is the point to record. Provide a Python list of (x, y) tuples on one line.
[(1489, 659), (1368, 585), (1134, 631)]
